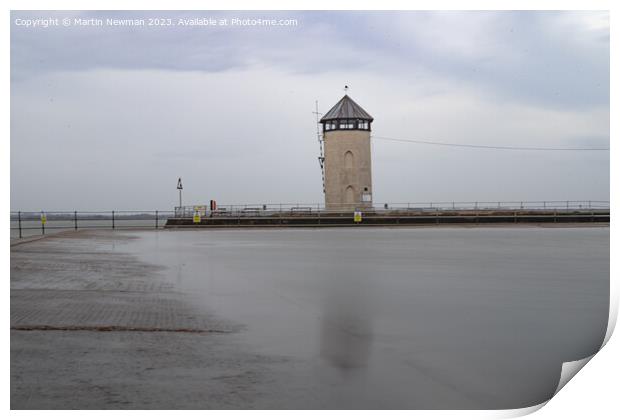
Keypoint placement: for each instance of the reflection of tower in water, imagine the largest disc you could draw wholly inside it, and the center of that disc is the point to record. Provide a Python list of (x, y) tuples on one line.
[(346, 333)]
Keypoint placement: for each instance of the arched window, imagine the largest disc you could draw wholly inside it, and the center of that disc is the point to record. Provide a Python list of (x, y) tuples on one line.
[(349, 195), (348, 160)]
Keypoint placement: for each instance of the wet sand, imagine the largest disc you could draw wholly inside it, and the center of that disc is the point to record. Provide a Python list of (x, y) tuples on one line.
[(426, 318)]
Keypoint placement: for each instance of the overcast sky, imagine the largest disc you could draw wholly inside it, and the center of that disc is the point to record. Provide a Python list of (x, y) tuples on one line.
[(109, 117)]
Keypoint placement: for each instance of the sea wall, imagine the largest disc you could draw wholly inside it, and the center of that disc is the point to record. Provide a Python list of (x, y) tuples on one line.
[(331, 219)]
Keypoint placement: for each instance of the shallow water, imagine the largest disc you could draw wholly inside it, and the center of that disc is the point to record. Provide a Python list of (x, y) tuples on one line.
[(446, 317)]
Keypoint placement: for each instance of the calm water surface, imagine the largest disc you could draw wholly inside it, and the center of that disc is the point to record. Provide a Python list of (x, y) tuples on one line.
[(398, 318)]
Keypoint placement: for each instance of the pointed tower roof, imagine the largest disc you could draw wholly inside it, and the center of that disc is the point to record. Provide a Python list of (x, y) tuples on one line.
[(346, 108)]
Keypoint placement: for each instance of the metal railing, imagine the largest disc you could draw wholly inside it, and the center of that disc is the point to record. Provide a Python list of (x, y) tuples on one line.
[(240, 210), (26, 223)]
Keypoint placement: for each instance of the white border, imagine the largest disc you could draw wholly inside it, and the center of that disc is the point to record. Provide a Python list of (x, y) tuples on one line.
[(592, 394)]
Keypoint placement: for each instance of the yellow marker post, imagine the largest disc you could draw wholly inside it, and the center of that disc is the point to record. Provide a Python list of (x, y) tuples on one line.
[(196, 217), (43, 222), (357, 216)]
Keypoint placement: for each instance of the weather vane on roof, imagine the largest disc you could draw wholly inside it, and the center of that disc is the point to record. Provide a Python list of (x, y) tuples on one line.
[(346, 89)]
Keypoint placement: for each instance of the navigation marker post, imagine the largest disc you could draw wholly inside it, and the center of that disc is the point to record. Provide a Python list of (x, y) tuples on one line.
[(180, 188)]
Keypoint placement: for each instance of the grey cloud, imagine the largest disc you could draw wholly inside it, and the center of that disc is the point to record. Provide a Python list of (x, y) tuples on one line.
[(516, 55), (98, 115)]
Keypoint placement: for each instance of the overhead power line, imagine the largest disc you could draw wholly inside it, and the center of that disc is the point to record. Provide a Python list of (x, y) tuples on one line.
[(482, 146)]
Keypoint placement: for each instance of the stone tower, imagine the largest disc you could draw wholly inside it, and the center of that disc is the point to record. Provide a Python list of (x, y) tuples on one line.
[(346, 136)]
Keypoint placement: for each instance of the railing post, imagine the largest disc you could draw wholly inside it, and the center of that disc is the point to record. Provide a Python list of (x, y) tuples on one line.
[(156, 219), (75, 220), (19, 223), (113, 227), (566, 205)]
